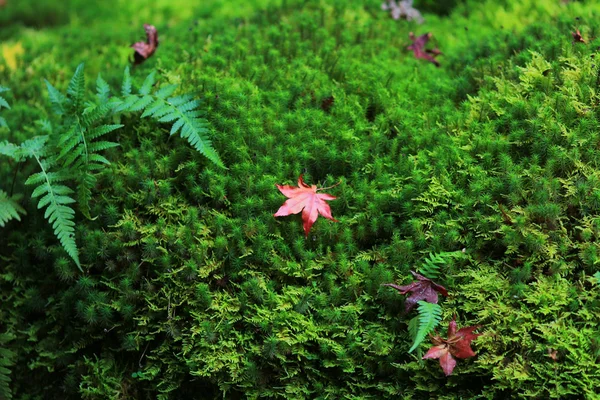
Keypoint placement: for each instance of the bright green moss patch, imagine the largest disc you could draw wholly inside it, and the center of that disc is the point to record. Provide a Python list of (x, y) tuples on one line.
[(191, 287)]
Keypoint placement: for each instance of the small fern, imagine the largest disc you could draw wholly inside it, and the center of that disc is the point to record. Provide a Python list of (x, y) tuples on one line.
[(69, 154), (431, 266), (3, 104), (78, 146), (9, 209), (430, 316), (182, 111), (7, 358)]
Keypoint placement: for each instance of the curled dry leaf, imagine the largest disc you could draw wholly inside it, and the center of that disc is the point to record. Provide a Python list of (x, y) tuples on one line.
[(421, 289), (458, 344), (306, 199), (577, 38), (418, 48), (143, 50)]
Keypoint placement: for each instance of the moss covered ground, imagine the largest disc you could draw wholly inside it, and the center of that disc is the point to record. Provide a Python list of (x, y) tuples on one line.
[(190, 288)]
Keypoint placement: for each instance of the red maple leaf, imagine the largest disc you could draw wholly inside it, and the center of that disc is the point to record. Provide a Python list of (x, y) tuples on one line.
[(143, 50), (306, 199), (458, 344), (421, 289), (418, 48)]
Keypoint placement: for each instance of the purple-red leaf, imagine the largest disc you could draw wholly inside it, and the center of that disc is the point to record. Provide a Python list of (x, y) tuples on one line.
[(418, 48), (577, 38), (421, 289), (143, 50), (458, 344), (306, 199)]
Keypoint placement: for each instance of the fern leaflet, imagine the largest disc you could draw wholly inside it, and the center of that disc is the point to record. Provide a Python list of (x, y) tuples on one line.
[(7, 358), (3, 103), (430, 316), (431, 266), (9, 209)]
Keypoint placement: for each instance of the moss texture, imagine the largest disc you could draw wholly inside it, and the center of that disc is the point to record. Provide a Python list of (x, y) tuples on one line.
[(192, 289)]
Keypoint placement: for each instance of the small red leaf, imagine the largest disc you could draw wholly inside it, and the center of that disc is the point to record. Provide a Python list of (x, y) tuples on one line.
[(306, 199), (418, 48), (458, 344), (421, 289)]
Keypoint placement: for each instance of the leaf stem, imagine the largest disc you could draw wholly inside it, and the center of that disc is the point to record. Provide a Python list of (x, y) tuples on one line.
[(329, 187)]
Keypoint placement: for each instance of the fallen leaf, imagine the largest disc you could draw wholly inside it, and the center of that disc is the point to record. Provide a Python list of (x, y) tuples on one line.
[(421, 289), (418, 48), (577, 38), (306, 199), (11, 53), (404, 8), (143, 50), (458, 344), (327, 103)]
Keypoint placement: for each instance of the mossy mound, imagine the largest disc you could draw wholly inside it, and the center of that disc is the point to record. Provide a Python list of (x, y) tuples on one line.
[(192, 289)]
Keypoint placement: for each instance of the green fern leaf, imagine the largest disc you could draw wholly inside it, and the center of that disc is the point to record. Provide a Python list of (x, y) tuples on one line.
[(148, 83), (76, 89), (9, 209), (430, 316), (10, 150), (7, 359), (78, 145), (126, 88), (431, 265), (182, 111), (3, 103), (85, 182), (55, 197), (102, 91), (57, 99)]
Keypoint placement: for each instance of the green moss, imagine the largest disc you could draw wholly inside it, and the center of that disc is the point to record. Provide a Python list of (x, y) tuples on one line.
[(189, 283)]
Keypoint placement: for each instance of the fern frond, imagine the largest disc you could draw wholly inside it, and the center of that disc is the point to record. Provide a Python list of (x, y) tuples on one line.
[(58, 100), (77, 146), (182, 111), (10, 150), (148, 83), (430, 316), (431, 266), (85, 182), (76, 89), (55, 197), (9, 209), (7, 359), (3, 103), (102, 91), (126, 88)]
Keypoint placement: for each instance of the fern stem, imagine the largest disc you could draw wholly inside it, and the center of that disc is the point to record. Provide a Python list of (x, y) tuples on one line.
[(12, 186)]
